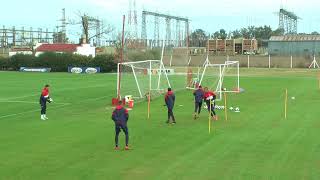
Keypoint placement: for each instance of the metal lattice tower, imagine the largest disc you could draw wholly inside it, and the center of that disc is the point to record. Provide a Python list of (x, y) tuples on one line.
[(132, 21), (168, 31), (176, 39), (156, 31), (288, 21), (144, 26), (178, 34)]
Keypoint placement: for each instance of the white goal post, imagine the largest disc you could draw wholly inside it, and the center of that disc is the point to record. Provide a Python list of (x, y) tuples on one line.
[(222, 78), (138, 78)]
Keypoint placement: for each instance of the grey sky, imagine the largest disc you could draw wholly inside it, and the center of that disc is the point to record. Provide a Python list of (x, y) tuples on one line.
[(210, 15)]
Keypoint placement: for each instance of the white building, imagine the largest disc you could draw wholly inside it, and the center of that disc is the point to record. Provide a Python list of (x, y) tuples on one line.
[(81, 49)]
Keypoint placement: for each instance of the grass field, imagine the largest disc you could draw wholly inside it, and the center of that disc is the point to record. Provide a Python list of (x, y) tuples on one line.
[(78, 139)]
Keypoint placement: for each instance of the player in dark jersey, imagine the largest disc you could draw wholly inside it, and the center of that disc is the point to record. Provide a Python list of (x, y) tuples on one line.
[(120, 116)]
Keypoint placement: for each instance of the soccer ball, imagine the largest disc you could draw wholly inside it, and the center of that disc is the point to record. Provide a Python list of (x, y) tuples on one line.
[(50, 100), (293, 98)]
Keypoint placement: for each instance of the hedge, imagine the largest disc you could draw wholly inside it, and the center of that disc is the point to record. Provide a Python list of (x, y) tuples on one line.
[(58, 62)]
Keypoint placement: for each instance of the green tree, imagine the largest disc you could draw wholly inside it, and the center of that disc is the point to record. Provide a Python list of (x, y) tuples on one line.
[(198, 38)]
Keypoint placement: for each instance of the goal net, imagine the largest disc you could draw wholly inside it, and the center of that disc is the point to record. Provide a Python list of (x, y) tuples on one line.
[(194, 75), (137, 79), (221, 78)]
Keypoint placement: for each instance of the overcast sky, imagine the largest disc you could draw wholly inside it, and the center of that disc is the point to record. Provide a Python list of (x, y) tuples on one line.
[(210, 15)]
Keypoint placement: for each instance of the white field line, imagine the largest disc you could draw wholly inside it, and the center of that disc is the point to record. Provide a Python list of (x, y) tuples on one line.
[(63, 89), (16, 114), (30, 102), (65, 104)]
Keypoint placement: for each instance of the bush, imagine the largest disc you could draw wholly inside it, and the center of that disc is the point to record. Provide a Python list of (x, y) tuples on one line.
[(4, 63), (58, 62), (105, 62), (21, 60)]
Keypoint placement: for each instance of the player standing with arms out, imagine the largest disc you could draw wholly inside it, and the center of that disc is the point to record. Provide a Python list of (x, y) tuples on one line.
[(209, 97), (198, 99), (44, 98), (169, 100), (120, 116)]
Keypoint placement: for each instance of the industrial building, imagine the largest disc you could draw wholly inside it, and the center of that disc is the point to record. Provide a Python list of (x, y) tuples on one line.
[(295, 45), (232, 46)]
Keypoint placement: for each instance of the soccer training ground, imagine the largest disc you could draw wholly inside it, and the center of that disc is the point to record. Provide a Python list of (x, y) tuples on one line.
[(78, 139)]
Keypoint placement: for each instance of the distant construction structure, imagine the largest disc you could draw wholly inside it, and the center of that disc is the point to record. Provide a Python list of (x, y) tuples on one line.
[(24, 37), (12, 37), (176, 30), (288, 21)]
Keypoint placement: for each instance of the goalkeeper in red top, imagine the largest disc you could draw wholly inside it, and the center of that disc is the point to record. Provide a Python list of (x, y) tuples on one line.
[(44, 98), (209, 98), (120, 116)]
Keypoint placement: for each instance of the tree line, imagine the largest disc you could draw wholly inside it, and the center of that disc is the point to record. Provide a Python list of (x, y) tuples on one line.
[(58, 62)]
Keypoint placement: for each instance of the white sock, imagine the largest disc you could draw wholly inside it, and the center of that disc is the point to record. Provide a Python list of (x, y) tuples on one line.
[(42, 116)]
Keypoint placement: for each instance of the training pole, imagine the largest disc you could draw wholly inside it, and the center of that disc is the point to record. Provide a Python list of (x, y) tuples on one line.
[(209, 122), (225, 106), (285, 104), (319, 80)]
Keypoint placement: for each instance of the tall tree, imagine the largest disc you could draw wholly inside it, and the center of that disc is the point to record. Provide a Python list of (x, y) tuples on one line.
[(198, 38)]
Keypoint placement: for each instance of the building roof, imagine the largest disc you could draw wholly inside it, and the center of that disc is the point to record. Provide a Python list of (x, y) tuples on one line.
[(295, 38), (57, 48)]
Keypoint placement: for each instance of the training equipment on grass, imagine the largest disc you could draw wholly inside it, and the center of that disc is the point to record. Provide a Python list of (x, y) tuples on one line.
[(222, 78)]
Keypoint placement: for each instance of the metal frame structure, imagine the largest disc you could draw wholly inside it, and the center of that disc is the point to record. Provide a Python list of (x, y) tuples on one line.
[(177, 41), (288, 21), (222, 70), (149, 70)]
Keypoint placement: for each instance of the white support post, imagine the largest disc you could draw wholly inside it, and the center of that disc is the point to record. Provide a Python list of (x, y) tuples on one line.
[(238, 76), (171, 60), (165, 72), (220, 82), (204, 71), (198, 76), (150, 75), (189, 61), (269, 61), (159, 74), (135, 77), (291, 61), (248, 61)]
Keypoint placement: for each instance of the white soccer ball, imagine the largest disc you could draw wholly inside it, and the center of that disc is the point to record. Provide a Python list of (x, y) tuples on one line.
[(293, 98)]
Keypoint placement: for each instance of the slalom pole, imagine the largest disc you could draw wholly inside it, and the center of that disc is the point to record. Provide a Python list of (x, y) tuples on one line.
[(209, 124), (225, 106), (285, 103)]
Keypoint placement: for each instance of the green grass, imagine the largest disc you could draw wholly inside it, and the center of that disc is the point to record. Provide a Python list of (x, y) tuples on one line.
[(77, 141)]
